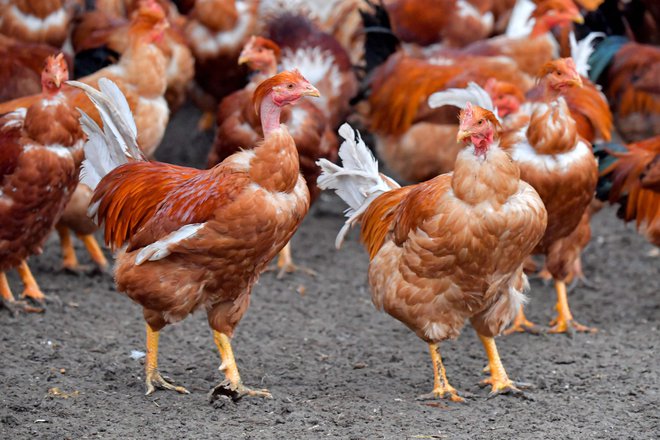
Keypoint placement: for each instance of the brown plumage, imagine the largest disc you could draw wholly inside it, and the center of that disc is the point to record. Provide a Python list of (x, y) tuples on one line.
[(19, 17), (452, 248), (38, 171), (635, 177), (198, 239)]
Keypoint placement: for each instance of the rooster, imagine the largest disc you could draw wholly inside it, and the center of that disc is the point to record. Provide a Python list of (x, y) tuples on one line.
[(239, 127), (217, 30), (41, 148), (544, 142), (188, 238), (630, 177), (447, 249)]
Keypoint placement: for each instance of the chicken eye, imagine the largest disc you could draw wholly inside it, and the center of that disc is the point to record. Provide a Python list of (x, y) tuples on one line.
[(481, 122), (559, 73), (289, 86)]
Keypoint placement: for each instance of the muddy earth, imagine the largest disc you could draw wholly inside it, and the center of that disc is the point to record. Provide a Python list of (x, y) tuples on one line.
[(336, 367)]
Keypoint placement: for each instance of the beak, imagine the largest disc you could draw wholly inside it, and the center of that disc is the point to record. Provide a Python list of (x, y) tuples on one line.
[(310, 90), (577, 81), (462, 135), (57, 80), (243, 59), (579, 19)]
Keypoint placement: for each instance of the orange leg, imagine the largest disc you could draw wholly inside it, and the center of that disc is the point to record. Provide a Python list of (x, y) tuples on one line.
[(206, 121), (94, 251), (441, 387), (232, 385), (5, 291), (153, 377), (31, 289), (69, 259), (564, 322), (499, 380), (8, 298), (285, 263), (522, 324)]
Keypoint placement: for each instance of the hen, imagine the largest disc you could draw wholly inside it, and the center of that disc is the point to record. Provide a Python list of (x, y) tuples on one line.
[(217, 30), (561, 166), (190, 239), (37, 21), (448, 249), (239, 127), (41, 148)]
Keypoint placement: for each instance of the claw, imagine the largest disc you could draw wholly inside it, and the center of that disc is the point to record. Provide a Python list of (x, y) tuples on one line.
[(442, 393), (236, 392), (506, 386), (570, 327), (155, 380)]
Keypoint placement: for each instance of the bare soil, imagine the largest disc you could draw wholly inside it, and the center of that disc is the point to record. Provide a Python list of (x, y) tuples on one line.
[(337, 368)]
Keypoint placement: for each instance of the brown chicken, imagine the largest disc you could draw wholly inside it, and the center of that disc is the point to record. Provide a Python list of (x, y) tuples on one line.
[(38, 172), (239, 127), (37, 21), (632, 180), (448, 249), (561, 166), (216, 31), (188, 238)]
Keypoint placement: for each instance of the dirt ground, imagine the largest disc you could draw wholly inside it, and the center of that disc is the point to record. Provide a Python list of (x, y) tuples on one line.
[(336, 367)]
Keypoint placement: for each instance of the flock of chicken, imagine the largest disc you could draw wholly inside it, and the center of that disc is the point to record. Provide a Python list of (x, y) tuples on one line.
[(541, 87)]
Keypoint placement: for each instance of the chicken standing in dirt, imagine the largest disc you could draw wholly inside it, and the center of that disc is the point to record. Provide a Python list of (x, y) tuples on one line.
[(191, 238), (448, 249), (562, 168), (39, 164)]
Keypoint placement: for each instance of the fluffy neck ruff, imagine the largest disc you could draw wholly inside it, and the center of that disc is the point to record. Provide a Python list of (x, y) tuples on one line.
[(482, 142)]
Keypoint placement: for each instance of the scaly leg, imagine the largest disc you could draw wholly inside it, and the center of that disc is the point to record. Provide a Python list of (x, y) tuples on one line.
[(441, 387), (285, 263), (522, 324), (31, 288), (499, 381), (69, 259), (94, 251), (154, 379), (564, 322), (232, 385), (8, 299), (206, 121)]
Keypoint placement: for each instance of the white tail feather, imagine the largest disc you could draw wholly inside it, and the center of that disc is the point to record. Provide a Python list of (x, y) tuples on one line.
[(520, 25), (473, 94), (357, 182), (582, 50), (116, 144)]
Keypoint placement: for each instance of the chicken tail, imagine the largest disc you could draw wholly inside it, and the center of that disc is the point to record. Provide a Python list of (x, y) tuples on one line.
[(116, 144), (357, 182)]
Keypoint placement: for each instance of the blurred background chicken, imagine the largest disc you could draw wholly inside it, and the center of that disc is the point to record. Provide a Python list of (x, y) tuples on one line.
[(38, 21), (41, 153), (189, 238)]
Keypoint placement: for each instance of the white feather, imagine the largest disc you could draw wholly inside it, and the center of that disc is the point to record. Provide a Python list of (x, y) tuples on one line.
[(520, 22), (357, 182), (582, 50), (116, 144), (473, 94), (163, 247)]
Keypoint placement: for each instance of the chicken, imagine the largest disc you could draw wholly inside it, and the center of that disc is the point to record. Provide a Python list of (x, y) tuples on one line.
[(102, 35), (630, 177), (239, 127), (37, 21), (448, 249), (38, 172), (562, 168), (628, 83), (217, 30), (188, 238), (454, 23), (20, 67), (417, 142)]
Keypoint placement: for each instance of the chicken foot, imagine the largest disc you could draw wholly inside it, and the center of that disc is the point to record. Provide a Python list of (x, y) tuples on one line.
[(499, 380), (8, 300), (521, 324), (153, 377), (564, 322), (31, 288), (441, 387), (232, 385), (285, 263), (69, 259)]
